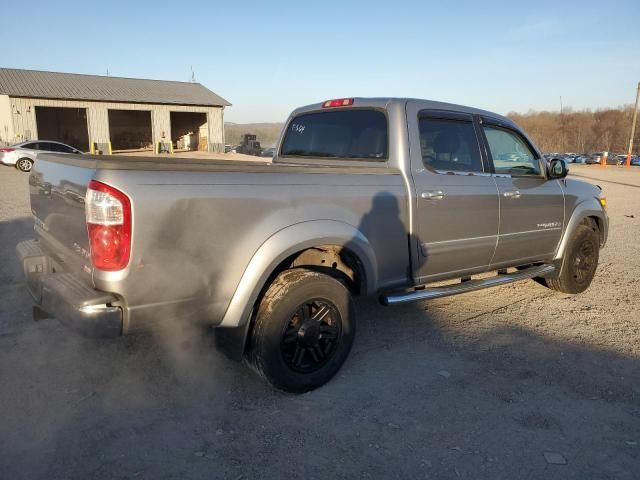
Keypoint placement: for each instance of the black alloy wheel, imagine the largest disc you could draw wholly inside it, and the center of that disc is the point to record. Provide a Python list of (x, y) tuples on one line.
[(311, 336)]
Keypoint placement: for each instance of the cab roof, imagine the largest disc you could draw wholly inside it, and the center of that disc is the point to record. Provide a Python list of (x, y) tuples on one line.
[(386, 102)]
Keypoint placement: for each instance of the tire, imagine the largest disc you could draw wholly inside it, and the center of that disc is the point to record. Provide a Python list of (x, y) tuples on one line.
[(24, 164), (303, 330), (579, 263)]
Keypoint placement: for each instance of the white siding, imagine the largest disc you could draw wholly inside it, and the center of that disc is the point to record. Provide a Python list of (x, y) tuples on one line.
[(24, 122), (6, 125)]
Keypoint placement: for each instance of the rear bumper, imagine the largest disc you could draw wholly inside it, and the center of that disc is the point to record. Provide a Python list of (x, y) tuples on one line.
[(8, 159), (64, 296)]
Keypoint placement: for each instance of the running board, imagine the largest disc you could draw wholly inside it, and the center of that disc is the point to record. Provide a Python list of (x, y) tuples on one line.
[(468, 286)]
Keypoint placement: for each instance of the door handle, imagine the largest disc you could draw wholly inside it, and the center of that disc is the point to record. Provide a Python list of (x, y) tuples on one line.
[(512, 194), (433, 195)]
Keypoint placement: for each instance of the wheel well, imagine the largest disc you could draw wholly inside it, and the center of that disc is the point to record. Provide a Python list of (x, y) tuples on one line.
[(595, 224), (335, 260)]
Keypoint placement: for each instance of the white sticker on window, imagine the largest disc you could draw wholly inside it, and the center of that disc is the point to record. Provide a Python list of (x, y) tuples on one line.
[(297, 127)]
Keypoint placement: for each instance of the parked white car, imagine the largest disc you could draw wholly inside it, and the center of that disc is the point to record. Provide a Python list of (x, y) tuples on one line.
[(22, 155)]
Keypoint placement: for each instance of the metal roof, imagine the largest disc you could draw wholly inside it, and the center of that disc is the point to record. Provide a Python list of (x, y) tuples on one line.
[(73, 86)]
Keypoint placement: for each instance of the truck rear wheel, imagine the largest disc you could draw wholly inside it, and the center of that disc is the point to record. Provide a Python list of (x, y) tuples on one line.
[(579, 263), (303, 330)]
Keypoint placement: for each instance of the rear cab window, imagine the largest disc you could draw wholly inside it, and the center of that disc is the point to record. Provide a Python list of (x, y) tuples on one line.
[(354, 134)]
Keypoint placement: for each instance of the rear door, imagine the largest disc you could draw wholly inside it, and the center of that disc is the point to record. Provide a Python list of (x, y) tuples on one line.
[(455, 224), (531, 206)]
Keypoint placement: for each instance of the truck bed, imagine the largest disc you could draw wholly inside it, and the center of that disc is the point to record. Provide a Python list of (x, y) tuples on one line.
[(183, 164), (197, 223)]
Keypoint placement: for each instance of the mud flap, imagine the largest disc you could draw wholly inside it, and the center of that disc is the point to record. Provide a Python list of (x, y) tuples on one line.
[(232, 341)]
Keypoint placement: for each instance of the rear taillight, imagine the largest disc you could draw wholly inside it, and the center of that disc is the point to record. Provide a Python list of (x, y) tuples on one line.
[(7, 150), (108, 213), (338, 102)]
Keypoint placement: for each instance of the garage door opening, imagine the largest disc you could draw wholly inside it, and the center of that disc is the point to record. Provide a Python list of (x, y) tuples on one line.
[(189, 131), (63, 124), (130, 130)]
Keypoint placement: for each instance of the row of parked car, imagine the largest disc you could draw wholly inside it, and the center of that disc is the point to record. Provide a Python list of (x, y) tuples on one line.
[(593, 158)]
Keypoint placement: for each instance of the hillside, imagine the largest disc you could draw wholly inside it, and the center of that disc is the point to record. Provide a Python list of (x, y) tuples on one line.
[(267, 133)]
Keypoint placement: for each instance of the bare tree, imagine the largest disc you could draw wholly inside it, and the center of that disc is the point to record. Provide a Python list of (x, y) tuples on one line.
[(579, 131)]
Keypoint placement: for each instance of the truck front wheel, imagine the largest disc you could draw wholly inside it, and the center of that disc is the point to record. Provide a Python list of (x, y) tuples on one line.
[(303, 330), (579, 263)]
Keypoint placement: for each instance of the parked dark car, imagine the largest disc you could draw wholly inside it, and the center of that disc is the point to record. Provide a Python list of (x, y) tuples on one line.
[(617, 159)]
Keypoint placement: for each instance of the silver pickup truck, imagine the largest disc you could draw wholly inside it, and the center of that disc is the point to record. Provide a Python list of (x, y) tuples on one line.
[(404, 199)]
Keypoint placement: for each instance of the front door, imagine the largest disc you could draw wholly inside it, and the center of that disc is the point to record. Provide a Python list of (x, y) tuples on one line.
[(531, 206), (455, 217)]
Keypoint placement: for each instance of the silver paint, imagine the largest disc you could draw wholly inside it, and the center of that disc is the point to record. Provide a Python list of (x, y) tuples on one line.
[(207, 235)]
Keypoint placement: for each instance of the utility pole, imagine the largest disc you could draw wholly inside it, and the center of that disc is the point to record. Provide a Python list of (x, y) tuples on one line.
[(562, 126), (633, 127)]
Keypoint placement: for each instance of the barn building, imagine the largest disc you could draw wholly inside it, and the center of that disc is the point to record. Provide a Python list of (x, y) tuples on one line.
[(106, 114)]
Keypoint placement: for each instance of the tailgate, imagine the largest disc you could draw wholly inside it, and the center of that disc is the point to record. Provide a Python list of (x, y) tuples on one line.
[(57, 193)]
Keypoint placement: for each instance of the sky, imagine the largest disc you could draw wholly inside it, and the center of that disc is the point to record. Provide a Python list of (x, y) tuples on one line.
[(268, 58)]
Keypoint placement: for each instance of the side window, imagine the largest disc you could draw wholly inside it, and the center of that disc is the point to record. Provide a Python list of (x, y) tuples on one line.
[(44, 146), (66, 149), (510, 153), (50, 147), (59, 147), (449, 145)]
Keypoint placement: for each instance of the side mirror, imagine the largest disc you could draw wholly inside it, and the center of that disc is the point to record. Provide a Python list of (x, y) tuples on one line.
[(557, 168)]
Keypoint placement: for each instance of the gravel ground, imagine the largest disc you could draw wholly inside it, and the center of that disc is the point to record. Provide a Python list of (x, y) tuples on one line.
[(513, 382)]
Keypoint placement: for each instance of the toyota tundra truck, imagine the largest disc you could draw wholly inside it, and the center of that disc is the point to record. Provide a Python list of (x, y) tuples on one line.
[(403, 199)]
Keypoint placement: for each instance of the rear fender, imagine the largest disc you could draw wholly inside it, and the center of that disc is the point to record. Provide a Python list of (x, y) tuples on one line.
[(285, 243)]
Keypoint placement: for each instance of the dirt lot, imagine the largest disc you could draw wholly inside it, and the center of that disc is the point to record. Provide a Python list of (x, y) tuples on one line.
[(501, 384)]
